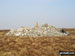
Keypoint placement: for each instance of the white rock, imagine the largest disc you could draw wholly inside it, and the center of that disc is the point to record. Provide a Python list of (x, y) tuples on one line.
[(43, 30)]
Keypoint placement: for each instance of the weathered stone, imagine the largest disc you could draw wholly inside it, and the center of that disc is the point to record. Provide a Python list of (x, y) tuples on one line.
[(44, 30), (36, 25)]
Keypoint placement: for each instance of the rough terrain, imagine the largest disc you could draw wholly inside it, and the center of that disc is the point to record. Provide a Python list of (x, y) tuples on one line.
[(37, 31), (32, 46)]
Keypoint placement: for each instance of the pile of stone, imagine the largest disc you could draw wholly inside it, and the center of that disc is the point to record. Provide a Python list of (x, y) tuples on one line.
[(36, 31)]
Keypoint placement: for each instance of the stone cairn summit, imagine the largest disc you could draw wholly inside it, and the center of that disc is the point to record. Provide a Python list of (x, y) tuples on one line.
[(36, 31), (36, 25)]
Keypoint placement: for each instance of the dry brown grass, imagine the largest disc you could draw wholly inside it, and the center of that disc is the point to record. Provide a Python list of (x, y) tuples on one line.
[(71, 30), (35, 46)]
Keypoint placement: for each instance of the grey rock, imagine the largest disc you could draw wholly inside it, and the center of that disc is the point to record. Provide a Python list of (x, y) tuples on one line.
[(43, 30)]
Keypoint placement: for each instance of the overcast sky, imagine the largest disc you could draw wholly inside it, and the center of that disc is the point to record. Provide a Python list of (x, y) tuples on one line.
[(16, 13)]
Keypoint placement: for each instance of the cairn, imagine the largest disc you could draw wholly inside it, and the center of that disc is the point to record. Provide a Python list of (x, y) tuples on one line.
[(36, 25), (43, 30)]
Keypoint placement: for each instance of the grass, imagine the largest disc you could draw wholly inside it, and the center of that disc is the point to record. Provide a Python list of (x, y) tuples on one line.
[(36, 46)]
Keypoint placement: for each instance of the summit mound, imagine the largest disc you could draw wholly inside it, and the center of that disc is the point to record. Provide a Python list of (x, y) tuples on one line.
[(36, 31)]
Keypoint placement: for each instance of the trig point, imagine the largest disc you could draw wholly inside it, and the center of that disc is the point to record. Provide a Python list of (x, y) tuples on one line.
[(36, 25)]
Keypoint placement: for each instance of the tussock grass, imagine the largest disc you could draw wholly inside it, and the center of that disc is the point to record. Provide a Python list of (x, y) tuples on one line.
[(35, 46)]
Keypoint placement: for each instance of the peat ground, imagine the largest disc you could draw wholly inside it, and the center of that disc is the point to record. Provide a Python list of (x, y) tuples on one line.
[(36, 46)]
